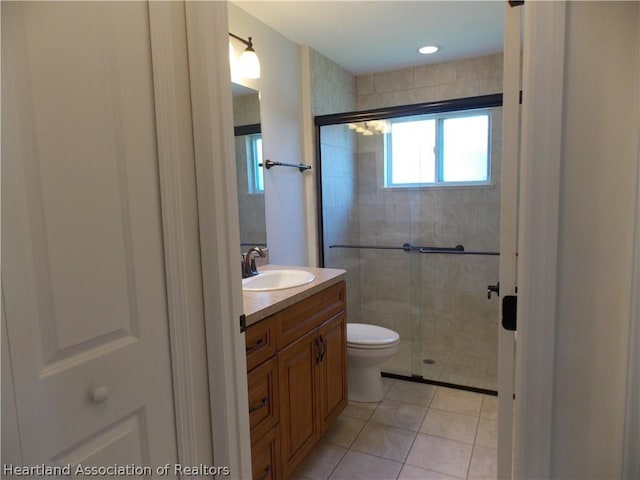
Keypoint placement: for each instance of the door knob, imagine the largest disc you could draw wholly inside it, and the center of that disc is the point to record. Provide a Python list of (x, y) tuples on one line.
[(99, 394), (493, 289)]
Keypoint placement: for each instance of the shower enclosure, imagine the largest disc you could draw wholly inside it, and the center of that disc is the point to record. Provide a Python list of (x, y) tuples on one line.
[(409, 206)]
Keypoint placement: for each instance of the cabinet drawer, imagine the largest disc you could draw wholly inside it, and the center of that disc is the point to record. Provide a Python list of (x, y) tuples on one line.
[(264, 457), (298, 319), (260, 342), (264, 411)]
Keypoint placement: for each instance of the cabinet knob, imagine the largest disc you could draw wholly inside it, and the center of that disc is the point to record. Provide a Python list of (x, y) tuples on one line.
[(99, 394)]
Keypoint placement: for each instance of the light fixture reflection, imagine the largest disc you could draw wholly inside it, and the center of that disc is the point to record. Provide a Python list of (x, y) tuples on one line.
[(372, 127)]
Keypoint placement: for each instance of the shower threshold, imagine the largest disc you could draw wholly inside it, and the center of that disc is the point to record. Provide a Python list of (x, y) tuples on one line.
[(421, 379)]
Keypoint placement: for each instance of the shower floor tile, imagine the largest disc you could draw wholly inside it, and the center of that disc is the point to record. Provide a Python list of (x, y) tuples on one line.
[(476, 369)]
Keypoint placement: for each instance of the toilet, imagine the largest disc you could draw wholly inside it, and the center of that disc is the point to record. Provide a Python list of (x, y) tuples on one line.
[(368, 346)]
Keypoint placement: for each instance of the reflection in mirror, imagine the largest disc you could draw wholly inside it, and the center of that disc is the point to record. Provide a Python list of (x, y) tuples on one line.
[(249, 171)]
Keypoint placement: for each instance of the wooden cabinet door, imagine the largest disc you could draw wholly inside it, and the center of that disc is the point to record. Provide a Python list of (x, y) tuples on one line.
[(332, 370), (299, 421), (264, 457)]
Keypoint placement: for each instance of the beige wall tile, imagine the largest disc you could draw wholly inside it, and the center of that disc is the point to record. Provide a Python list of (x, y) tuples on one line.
[(393, 80), (364, 84), (436, 74), (477, 68)]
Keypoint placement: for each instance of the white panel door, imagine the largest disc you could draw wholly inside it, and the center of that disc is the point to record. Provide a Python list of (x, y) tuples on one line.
[(83, 272)]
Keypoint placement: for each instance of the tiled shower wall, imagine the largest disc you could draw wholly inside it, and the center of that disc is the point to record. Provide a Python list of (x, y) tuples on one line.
[(334, 91), (437, 303), (430, 83)]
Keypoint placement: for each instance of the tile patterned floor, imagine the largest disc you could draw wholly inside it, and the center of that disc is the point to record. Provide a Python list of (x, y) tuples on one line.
[(417, 431)]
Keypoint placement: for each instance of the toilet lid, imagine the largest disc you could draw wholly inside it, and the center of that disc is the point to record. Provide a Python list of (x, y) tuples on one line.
[(370, 335)]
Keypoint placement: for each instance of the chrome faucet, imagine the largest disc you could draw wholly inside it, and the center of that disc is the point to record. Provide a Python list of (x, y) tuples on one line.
[(249, 268)]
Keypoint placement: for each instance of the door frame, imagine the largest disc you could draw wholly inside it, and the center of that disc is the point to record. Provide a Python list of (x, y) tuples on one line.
[(512, 74), (541, 153), (218, 222), (175, 144), (199, 207)]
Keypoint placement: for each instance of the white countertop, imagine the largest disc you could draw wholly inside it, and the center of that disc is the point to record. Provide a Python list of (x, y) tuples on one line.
[(259, 305)]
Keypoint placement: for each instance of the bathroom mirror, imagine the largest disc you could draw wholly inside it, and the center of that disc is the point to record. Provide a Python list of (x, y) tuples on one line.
[(249, 172)]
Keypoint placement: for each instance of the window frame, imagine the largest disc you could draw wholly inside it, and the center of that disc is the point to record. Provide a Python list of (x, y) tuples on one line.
[(439, 118), (255, 178)]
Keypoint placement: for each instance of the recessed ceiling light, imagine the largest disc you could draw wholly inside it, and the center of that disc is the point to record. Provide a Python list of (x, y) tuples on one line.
[(426, 50)]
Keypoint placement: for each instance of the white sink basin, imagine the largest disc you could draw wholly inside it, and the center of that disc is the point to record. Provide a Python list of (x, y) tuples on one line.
[(277, 280)]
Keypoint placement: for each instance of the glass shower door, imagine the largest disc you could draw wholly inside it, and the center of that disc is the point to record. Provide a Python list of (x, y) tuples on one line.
[(420, 240), (367, 231)]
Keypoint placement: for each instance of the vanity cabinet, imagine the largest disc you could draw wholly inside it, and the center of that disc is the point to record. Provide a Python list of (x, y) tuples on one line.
[(297, 361)]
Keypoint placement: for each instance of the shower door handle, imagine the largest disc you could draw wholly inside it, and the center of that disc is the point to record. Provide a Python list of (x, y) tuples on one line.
[(493, 289)]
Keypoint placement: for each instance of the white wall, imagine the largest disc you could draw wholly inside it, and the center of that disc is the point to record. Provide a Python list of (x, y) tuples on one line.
[(280, 88)]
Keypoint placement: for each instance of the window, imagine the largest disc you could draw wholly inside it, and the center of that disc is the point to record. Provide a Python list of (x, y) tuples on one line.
[(254, 163), (442, 149)]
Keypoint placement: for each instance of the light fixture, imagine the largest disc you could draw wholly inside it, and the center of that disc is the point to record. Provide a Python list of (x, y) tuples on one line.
[(428, 49), (248, 65)]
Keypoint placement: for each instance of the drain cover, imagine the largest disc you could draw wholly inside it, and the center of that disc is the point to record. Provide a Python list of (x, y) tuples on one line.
[(428, 361)]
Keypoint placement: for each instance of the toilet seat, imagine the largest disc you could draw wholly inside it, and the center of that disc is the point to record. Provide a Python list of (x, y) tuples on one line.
[(360, 335)]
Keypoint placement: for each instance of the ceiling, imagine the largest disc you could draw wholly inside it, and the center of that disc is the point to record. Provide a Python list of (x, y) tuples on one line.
[(374, 36)]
